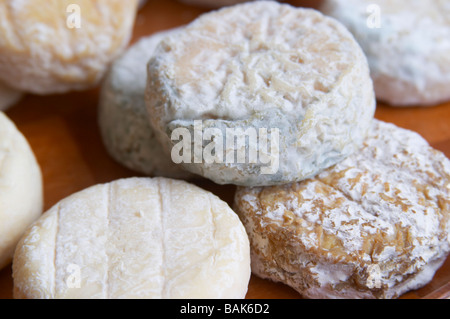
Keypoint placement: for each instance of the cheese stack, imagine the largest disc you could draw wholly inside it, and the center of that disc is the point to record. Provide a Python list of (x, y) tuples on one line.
[(352, 207), (56, 46)]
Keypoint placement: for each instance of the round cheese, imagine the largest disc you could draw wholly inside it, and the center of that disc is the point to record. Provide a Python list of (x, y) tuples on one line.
[(373, 226), (21, 190), (292, 77), (124, 124), (135, 238), (54, 46), (407, 44), (8, 97)]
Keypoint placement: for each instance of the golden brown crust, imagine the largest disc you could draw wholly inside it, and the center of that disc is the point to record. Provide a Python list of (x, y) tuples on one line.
[(380, 219)]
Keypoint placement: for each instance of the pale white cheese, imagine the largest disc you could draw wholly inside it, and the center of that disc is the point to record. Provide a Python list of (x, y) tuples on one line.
[(407, 43), (135, 238), (21, 189)]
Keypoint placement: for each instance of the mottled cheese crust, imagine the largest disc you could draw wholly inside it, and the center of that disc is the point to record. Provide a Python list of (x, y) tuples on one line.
[(42, 49), (265, 64), (123, 121), (373, 226), (21, 191), (407, 44), (135, 238)]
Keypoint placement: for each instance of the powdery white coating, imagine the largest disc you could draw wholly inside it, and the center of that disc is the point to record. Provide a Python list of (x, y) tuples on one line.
[(41, 54), (21, 191), (270, 65), (135, 238), (8, 97), (123, 120), (373, 226), (409, 53)]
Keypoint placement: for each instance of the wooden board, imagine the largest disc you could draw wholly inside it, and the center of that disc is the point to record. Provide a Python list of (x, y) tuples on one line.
[(63, 132)]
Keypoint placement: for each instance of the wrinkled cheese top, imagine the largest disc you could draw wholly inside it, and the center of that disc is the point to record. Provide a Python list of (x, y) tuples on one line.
[(248, 58)]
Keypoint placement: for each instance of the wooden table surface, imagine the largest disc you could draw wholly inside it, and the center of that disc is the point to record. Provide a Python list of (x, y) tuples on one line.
[(63, 132)]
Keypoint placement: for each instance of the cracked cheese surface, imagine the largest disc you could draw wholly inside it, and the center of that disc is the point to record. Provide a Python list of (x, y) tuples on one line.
[(373, 226), (267, 65)]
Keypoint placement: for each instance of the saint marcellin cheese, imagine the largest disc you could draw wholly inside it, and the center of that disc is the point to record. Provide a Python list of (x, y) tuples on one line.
[(135, 238), (407, 43), (21, 189), (373, 226), (54, 46), (8, 97), (123, 120), (265, 66)]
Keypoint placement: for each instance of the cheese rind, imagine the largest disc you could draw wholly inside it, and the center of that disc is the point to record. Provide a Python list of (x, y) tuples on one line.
[(373, 226), (135, 238), (68, 46), (264, 65), (406, 43), (21, 189), (123, 120)]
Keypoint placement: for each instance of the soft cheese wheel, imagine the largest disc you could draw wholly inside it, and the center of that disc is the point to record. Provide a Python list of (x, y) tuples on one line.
[(261, 66), (374, 226), (8, 97), (407, 44), (124, 124), (135, 238), (54, 46), (21, 191)]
